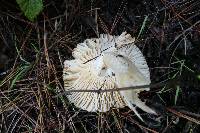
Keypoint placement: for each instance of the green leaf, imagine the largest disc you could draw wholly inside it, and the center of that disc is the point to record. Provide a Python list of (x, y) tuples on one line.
[(198, 76), (30, 8)]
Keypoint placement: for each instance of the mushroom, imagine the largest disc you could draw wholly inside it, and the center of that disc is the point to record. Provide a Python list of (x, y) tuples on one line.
[(89, 70)]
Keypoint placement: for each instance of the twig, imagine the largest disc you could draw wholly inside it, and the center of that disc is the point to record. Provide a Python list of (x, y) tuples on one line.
[(179, 114), (188, 29), (118, 16), (142, 127), (156, 85)]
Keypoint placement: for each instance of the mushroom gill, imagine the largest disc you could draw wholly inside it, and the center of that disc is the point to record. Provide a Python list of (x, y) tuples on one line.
[(87, 71)]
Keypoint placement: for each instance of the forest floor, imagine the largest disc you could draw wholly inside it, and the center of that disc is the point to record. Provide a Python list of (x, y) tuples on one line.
[(32, 55)]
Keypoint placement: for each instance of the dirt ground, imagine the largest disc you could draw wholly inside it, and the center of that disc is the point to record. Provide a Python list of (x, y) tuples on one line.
[(32, 55)]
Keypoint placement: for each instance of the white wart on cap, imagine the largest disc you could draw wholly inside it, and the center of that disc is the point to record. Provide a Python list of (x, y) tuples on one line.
[(88, 72)]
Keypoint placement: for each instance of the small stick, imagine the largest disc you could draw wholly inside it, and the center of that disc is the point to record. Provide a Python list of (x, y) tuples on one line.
[(156, 85)]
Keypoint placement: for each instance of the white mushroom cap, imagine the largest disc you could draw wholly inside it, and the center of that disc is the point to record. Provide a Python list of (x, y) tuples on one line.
[(87, 71)]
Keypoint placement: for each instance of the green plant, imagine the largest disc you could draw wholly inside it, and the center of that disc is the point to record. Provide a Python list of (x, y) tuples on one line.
[(30, 8), (143, 26)]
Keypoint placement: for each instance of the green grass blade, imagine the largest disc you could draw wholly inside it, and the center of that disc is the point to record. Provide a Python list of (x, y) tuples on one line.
[(21, 72), (177, 94), (143, 26)]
